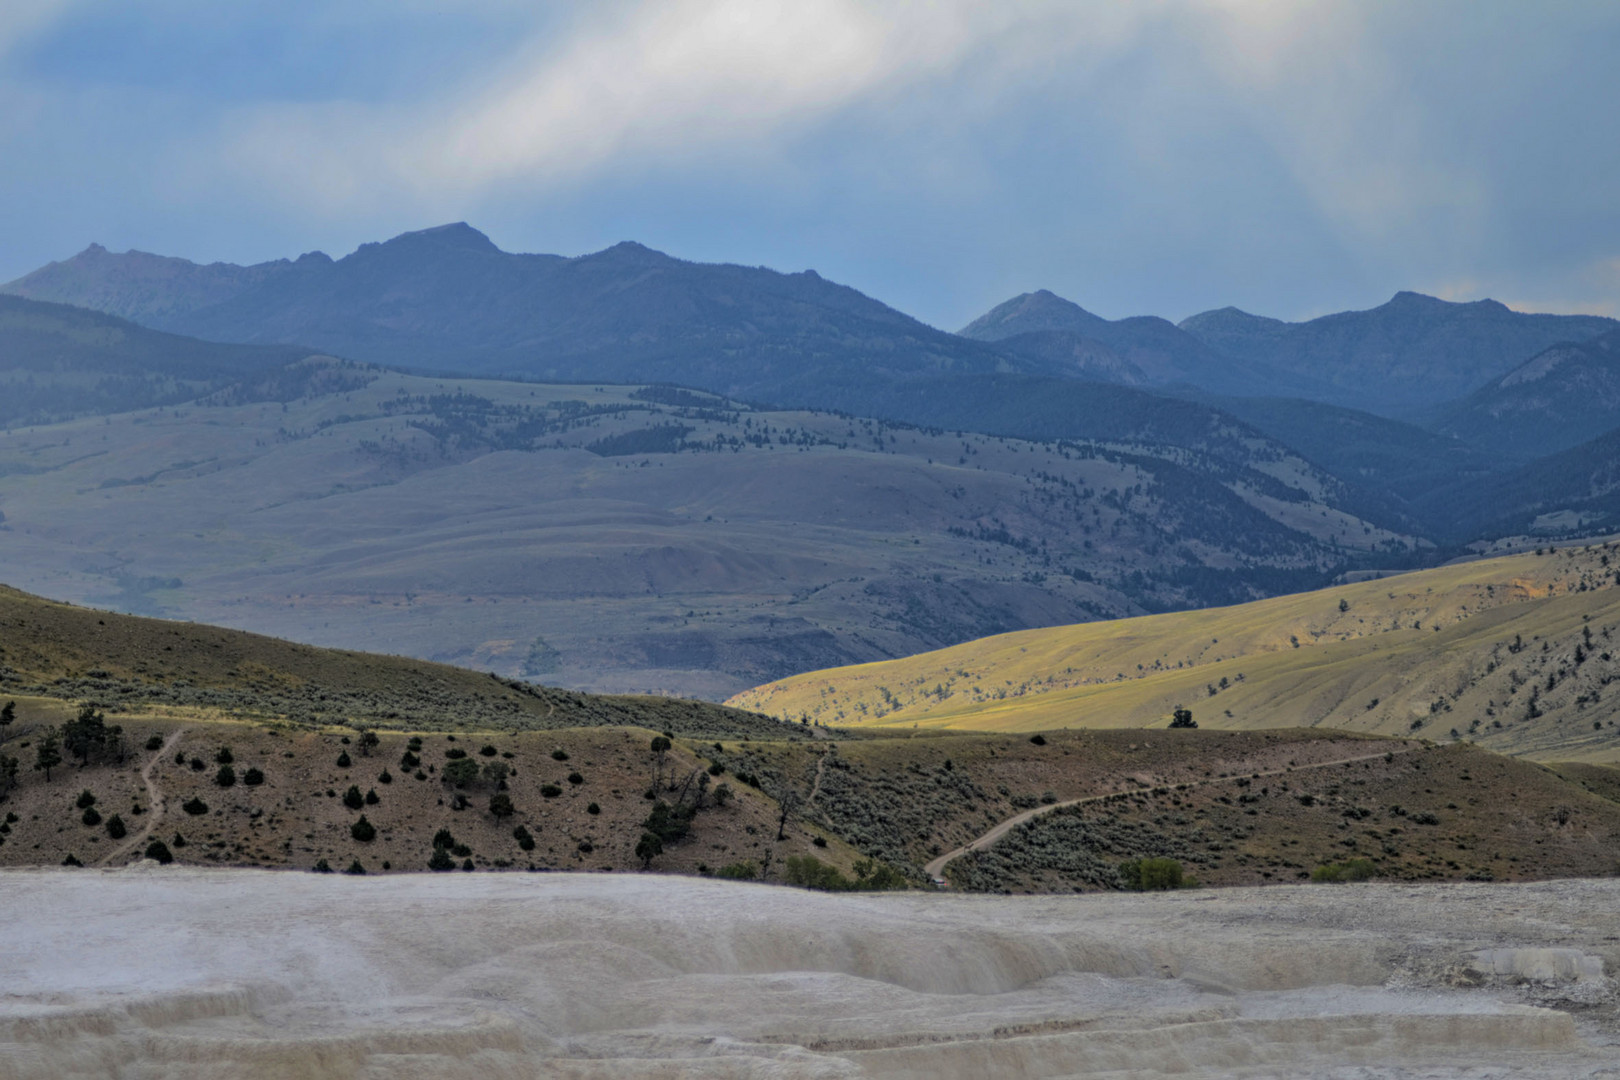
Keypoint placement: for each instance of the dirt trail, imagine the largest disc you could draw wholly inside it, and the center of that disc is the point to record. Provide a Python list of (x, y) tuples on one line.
[(815, 788), (936, 869), (154, 797)]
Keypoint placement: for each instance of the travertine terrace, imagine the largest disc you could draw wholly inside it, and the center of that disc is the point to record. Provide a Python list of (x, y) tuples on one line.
[(227, 974)]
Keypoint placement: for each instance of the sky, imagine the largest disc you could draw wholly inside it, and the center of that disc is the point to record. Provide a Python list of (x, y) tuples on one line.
[(1136, 156)]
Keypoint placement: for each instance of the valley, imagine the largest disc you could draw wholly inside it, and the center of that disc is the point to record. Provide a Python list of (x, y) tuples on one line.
[(641, 538)]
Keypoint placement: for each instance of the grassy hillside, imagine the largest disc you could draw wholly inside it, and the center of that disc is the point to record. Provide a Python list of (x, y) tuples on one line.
[(58, 652), (1514, 653), (58, 361), (231, 749), (646, 539), (1436, 813)]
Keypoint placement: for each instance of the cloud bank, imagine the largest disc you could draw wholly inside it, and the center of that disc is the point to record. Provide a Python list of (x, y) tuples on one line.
[(1155, 155)]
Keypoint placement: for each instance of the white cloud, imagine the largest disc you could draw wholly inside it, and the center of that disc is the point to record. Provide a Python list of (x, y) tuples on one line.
[(665, 80), (22, 19)]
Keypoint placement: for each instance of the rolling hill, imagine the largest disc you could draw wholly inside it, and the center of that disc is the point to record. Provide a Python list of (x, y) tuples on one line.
[(218, 747), (58, 362), (1515, 654), (1561, 496), (646, 539)]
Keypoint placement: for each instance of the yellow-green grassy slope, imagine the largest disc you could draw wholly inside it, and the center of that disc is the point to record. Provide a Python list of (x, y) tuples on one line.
[(52, 652), (1515, 653)]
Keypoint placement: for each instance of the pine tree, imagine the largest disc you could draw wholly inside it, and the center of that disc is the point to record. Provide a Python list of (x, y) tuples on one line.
[(48, 753)]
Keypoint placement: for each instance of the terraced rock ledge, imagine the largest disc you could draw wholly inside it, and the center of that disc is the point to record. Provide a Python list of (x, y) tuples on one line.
[(231, 974)]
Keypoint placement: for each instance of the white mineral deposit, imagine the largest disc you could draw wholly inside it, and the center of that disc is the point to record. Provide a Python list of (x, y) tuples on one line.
[(149, 973)]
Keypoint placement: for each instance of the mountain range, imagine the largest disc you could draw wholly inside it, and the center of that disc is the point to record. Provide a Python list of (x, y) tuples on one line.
[(1101, 467), (448, 299)]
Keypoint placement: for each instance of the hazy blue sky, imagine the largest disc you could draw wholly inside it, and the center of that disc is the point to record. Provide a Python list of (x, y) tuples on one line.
[(1164, 156)]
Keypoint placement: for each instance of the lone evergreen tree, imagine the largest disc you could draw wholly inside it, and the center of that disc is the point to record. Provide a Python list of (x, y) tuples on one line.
[(48, 753), (87, 733), (1182, 718)]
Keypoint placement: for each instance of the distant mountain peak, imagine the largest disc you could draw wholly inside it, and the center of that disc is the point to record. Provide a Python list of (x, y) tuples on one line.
[(629, 251), (457, 234), (1031, 312), (1409, 299)]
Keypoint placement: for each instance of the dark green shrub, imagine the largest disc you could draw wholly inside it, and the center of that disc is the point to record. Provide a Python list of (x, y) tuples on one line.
[(85, 801), (500, 804), (738, 871), (352, 798), (523, 838), (372, 798), (409, 761), (455, 753), (1425, 818), (355, 868), (343, 761), (223, 756), (1150, 875), (1038, 740), (461, 851), (321, 867), (717, 769), (92, 816), (550, 791), (489, 751), (226, 777), (72, 860), (820, 841), (648, 848), (159, 853), (194, 806), (809, 872), (116, 828), (1349, 870), (363, 830), (155, 742), (586, 846), (253, 777), (575, 778), (443, 839), (385, 777), (178, 841), (460, 773), (593, 809), (441, 860), (1182, 718), (559, 755), (180, 757), (669, 823), (197, 764)]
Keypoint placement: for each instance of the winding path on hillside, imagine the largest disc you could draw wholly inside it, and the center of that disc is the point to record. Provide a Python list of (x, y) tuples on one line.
[(936, 869), (154, 797)]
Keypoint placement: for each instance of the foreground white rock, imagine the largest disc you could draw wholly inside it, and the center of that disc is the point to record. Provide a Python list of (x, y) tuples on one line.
[(235, 974)]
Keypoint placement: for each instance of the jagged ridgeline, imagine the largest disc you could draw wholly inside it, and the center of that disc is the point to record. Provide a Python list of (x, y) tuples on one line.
[(131, 664)]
